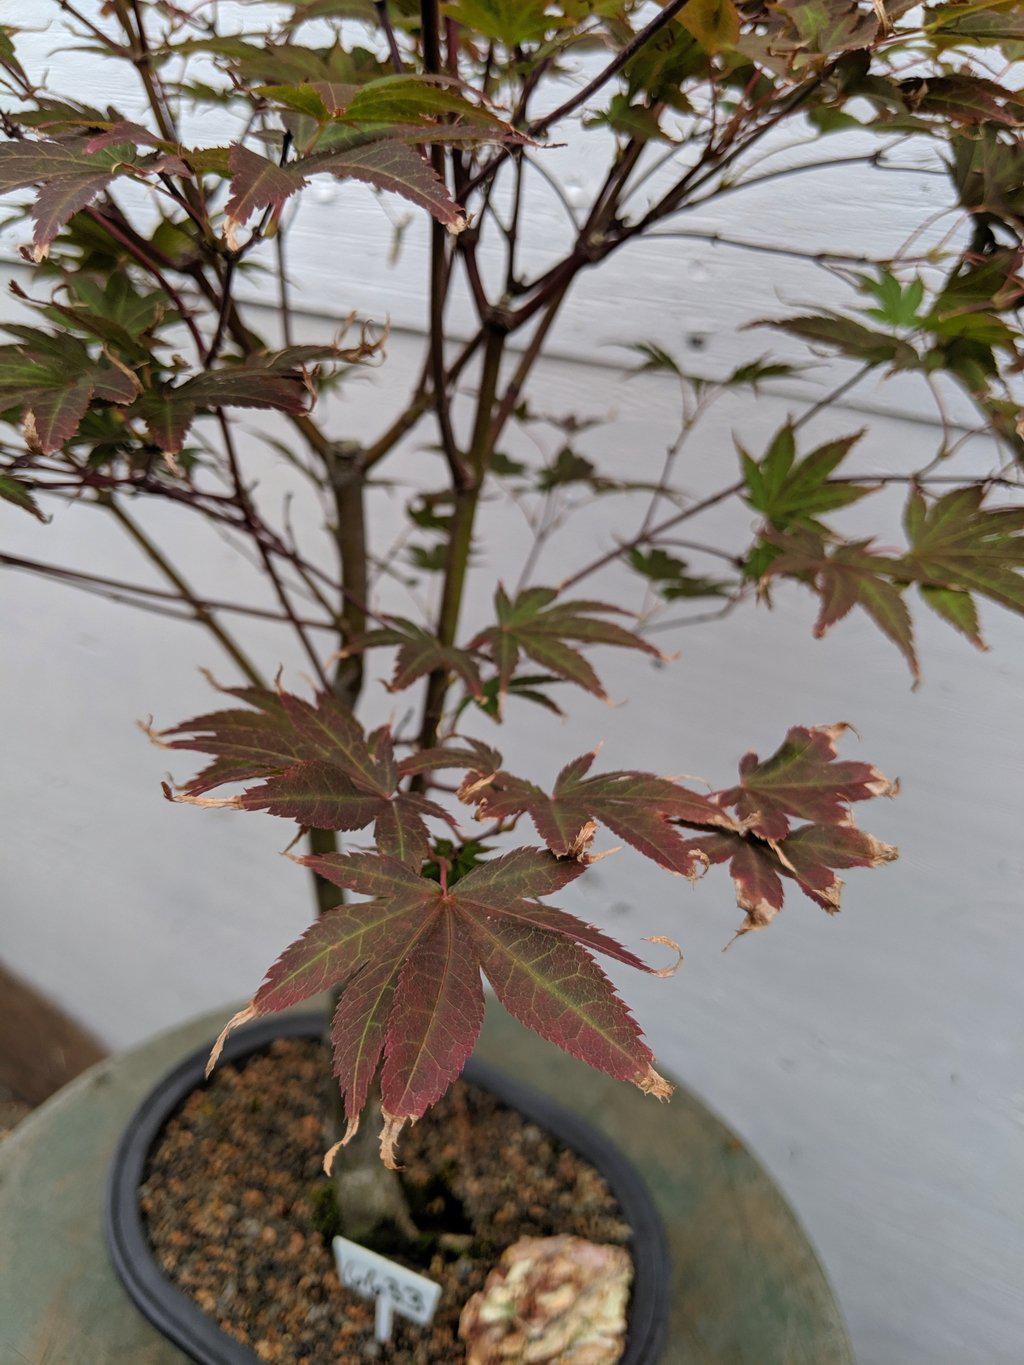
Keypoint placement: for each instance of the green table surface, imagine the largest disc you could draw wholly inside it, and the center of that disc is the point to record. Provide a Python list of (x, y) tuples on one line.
[(747, 1285)]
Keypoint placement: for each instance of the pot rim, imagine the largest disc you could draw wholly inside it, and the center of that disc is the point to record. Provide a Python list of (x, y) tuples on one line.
[(183, 1322)]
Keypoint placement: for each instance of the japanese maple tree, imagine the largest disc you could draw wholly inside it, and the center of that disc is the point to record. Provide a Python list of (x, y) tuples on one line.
[(133, 351)]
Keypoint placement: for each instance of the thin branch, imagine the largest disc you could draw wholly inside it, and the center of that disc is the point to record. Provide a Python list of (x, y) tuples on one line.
[(222, 317), (419, 404), (556, 188), (699, 618), (120, 591), (146, 260), (794, 253), (872, 159), (652, 534), (283, 299), (199, 610), (460, 535), (252, 521), (960, 480), (439, 267), (833, 396), (109, 43), (143, 64), (526, 362), (381, 6)]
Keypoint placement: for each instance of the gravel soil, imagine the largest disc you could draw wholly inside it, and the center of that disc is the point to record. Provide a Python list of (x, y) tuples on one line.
[(240, 1215)]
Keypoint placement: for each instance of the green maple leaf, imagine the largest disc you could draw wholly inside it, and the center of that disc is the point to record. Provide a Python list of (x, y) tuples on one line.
[(51, 379), (849, 337), (671, 575), (791, 492), (512, 22), (536, 623), (895, 304), (20, 495), (958, 548)]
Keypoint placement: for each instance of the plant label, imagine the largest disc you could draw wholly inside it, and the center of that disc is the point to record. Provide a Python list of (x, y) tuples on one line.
[(395, 1289)]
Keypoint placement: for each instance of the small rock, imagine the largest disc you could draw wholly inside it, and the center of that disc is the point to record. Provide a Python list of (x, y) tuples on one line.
[(550, 1299)]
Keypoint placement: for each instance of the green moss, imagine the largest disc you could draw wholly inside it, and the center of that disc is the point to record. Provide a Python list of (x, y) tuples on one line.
[(388, 1240), (324, 1210)]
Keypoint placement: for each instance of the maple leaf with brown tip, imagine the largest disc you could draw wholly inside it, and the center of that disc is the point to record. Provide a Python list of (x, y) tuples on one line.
[(536, 623), (409, 962), (470, 754), (275, 380), (386, 163), (636, 806), (52, 379), (809, 856), (802, 779), (419, 653), (314, 765)]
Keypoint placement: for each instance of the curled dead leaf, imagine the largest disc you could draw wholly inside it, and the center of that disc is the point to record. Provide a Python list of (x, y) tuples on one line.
[(592, 858), (471, 784), (350, 1132), (578, 846), (231, 229), (654, 1084), (880, 852), (30, 432), (148, 728), (236, 1021), (330, 1154), (206, 802), (389, 1135), (667, 943)]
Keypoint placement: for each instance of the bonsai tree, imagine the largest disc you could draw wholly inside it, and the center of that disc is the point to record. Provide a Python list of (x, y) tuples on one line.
[(124, 378)]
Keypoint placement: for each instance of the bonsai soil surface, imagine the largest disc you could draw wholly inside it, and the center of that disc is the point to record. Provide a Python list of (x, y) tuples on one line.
[(240, 1215)]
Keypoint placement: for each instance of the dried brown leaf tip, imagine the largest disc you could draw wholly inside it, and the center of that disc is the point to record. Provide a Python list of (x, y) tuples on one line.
[(149, 729), (578, 846), (236, 1021), (389, 1135), (674, 946), (331, 1154), (654, 1084)]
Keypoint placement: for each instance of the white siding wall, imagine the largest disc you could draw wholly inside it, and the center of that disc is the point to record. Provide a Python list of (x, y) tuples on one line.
[(873, 1061)]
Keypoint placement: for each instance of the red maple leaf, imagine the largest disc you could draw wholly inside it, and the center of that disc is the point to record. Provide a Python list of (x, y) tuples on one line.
[(408, 962), (419, 653), (316, 765), (803, 779), (636, 806), (809, 856)]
